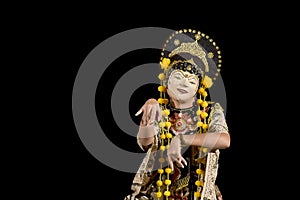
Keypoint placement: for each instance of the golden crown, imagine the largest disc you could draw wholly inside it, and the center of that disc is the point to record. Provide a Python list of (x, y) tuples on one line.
[(193, 47)]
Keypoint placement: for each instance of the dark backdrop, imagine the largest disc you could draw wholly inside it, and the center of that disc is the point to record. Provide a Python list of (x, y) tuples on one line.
[(69, 170), (84, 173)]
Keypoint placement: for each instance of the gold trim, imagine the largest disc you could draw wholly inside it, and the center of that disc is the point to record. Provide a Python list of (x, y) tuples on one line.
[(194, 49)]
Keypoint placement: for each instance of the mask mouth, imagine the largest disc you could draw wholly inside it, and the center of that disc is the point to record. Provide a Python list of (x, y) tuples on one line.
[(182, 91)]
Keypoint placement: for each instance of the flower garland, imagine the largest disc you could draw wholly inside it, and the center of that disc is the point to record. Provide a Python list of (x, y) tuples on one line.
[(165, 124)]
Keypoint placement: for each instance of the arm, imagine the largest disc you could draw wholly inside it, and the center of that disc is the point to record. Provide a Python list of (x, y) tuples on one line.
[(212, 141), (218, 140), (216, 137), (145, 136), (147, 129)]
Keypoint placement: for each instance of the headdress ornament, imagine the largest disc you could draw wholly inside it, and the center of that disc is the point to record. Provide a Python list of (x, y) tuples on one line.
[(192, 51)]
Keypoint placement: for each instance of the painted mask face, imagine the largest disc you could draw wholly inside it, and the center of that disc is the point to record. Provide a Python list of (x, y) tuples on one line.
[(182, 85)]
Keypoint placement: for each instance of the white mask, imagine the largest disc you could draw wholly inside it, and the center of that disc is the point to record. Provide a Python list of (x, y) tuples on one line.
[(182, 85)]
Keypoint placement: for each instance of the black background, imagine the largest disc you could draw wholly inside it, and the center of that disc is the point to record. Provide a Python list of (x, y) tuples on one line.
[(88, 176), (84, 173), (59, 166)]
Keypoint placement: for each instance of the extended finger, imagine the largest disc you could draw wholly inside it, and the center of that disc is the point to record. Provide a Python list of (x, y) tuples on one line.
[(183, 160), (178, 161), (139, 112), (170, 163)]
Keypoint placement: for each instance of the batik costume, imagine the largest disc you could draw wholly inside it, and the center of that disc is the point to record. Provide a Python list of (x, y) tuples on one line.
[(194, 52)]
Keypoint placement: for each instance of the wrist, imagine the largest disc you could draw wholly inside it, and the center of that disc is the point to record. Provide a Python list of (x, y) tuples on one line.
[(186, 140), (146, 131), (183, 141)]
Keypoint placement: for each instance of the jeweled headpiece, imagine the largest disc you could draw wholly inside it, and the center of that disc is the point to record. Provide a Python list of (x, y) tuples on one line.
[(192, 51)]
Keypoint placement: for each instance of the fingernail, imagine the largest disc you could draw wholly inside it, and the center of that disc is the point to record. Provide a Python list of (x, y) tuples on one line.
[(137, 113)]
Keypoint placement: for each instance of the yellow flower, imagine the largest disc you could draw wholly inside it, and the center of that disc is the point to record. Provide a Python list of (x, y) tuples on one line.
[(207, 82), (167, 193), (168, 124), (159, 183), (165, 63), (161, 88), (166, 112), (198, 112), (166, 101), (199, 101), (201, 90), (204, 104), (168, 170), (158, 194), (167, 182), (162, 136), (199, 183), (161, 76), (160, 100), (197, 194), (199, 124), (199, 171), (161, 124), (205, 126), (203, 115)]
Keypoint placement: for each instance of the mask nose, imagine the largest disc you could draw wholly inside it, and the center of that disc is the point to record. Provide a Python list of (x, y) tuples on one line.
[(183, 82)]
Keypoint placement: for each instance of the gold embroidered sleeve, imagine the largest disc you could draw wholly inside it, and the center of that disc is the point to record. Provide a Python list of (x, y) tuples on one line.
[(217, 120)]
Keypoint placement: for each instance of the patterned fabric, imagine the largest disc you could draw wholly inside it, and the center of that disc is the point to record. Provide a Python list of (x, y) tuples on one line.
[(183, 180)]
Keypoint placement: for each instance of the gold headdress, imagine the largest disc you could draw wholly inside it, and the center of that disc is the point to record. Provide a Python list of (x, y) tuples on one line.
[(193, 47)]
